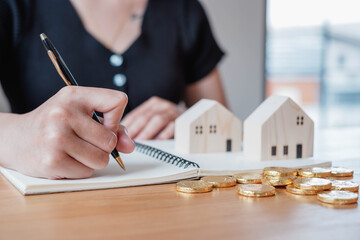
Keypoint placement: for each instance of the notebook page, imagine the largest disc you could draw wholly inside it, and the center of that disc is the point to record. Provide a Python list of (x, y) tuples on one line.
[(140, 170)]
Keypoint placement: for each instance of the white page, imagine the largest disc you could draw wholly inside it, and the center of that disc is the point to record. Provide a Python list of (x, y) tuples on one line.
[(140, 170)]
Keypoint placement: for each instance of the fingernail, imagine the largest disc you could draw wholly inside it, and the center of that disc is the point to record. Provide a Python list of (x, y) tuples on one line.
[(127, 134), (113, 140)]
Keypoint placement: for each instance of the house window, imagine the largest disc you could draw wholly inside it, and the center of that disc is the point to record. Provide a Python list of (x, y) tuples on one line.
[(302, 120), (212, 129), (297, 120), (286, 150), (198, 129), (273, 151)]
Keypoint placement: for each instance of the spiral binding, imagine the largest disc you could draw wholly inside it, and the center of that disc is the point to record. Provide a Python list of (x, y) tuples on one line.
[(164, 156)]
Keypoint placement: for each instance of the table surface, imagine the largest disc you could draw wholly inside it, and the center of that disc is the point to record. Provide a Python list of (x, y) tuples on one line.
[(159, 212)]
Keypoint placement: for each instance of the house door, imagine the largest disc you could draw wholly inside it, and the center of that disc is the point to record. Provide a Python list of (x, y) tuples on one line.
[(228, 145), (299, 151)]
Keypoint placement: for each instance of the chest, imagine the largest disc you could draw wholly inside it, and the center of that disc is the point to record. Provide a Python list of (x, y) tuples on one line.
[(151, 66)]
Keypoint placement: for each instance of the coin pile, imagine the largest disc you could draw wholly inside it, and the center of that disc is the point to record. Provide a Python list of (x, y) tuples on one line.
[(329, 184)]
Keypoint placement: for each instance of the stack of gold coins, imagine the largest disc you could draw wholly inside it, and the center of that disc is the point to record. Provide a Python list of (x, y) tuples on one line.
[(220, 181), (194, 186), (315, 172), (309, 186), (319, 184), (256, 190), (338, 197), (278, 176), (292, 189), (248, 178), (345, 186), (341, 172)]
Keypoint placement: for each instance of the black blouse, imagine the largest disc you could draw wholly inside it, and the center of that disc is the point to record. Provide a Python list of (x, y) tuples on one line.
[(176, 48)]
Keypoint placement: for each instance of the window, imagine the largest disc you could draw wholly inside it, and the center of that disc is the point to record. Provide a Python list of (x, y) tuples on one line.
[(286, 150), (212, 129), (273, 151), (302, 120), (314, 59), (198, 129), (297, 120)]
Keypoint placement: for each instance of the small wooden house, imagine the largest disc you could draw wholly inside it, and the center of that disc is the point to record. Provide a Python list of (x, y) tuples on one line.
[(207, 127), (278, 129)]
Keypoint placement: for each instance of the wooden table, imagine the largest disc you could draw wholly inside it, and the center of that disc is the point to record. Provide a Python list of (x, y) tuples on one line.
[(159, 212)]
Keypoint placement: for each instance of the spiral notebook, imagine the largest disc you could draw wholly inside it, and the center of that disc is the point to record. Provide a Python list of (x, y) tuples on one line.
[(153, 162)]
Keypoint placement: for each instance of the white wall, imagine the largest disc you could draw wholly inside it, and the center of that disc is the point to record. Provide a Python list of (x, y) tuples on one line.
[(239, 26)]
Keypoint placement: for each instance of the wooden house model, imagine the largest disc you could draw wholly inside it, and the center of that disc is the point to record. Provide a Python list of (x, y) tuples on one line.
[(207, 127), (278, 129)]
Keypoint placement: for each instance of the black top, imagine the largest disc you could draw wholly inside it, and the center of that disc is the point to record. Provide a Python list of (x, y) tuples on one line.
[(176, 47)]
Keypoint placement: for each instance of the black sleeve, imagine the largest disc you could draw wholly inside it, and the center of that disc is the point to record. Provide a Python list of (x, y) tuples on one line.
[(5, 33), (13, 17), (201, 53)]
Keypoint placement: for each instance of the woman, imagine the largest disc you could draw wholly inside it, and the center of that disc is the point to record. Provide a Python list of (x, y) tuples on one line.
[(143, 48)]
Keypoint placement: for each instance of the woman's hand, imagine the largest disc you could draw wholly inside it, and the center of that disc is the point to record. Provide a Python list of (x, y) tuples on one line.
[(155, 118), (60, 139)]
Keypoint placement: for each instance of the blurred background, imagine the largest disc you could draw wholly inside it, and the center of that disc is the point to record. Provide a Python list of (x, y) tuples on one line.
[(306, 49)]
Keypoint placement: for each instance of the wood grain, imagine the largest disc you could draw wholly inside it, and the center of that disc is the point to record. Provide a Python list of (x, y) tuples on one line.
[(278, 122), (208, 127), (159, 212)]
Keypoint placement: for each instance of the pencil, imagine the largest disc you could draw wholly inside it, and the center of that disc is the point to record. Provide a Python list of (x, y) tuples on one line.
[(69, 79)]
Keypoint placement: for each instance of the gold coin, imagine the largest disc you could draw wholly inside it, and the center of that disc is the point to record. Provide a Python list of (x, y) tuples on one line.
[(312, 183), (315, 172), (248, 177), (292, 189), (220, 181), (338, 197), (256, 190), (278, 182), (339, 178), (195, 186), (279, 171), (345, 186), (341, 172)]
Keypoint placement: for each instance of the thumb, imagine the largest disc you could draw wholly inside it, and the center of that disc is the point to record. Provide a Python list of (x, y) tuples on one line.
[(110, 102)]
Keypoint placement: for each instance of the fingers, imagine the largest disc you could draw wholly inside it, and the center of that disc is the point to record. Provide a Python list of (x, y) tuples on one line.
[(124, 144), (94, 133), (86, 153), (137, 126), (153, 127), (110, 102), (64, 166), (151, 118), (167, 133)]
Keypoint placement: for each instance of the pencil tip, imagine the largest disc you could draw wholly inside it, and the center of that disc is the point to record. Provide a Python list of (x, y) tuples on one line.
[(43, 36), (118, 159)]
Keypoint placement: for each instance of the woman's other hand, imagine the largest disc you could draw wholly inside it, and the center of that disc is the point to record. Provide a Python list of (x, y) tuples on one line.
[(154, 119)]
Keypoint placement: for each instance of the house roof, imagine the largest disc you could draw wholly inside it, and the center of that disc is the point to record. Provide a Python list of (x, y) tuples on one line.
[(267, 109), (197, 110)]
